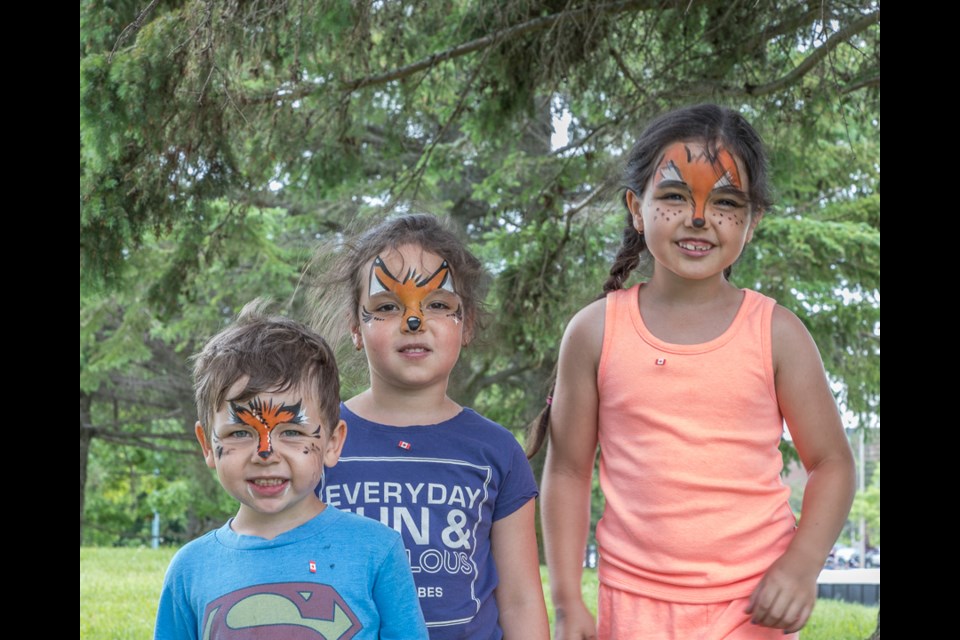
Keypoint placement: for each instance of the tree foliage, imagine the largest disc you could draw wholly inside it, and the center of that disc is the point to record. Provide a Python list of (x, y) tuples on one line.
[(220, 141)]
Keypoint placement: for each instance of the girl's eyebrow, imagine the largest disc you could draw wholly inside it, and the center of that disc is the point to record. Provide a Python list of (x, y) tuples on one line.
[(731, 191), (673, 183)]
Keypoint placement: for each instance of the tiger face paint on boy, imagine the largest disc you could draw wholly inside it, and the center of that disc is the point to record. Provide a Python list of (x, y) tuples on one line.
[(701, 173), (411, 292), (264, 417)]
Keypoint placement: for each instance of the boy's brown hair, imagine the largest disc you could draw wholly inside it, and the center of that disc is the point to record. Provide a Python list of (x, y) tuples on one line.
[(275, 354)]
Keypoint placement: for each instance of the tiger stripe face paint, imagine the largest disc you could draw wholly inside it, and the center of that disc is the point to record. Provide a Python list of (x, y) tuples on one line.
[(695, 169), (269, 456), (265, 416), (411, 292)]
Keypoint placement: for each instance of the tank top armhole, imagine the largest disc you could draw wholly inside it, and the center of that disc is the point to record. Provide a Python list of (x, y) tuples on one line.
[(610, 309), (766, 341)]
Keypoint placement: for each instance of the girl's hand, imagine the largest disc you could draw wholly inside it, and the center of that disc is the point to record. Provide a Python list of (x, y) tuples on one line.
[(574, 622), (785, 596)]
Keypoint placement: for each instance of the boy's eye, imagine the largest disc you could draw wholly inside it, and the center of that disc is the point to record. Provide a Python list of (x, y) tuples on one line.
[(438, 305), (291, 433), (239, 434)]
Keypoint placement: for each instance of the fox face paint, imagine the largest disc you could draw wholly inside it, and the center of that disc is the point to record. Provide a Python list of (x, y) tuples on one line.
[(411, 292), (699, 174), (264, 417)]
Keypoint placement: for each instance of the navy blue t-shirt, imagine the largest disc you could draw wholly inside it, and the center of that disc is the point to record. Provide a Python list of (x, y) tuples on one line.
[(441, 486)]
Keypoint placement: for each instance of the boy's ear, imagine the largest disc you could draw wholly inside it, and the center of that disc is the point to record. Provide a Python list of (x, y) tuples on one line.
[(755, 218), (634, 202), (335, 444), (204, 446)]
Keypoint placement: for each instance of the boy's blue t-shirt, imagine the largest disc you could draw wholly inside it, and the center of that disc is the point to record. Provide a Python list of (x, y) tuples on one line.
[(336, 576), (442, 487)]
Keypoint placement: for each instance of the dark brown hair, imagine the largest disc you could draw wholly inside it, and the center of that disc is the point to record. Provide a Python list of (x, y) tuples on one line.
[(716, 127), (275, 354), (338, 289)]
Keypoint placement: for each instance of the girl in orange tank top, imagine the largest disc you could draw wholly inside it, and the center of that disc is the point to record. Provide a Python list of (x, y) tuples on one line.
[(685, 383)]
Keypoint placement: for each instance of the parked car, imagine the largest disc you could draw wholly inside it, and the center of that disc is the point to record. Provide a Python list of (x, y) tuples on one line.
[(846, 557), (873, 558)]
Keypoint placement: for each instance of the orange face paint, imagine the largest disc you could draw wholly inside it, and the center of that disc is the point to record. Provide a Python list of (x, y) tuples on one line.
[(264, 418), (411, 291), (700, 173)]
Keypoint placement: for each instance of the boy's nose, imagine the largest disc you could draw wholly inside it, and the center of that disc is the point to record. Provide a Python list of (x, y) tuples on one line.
[(413, 324)]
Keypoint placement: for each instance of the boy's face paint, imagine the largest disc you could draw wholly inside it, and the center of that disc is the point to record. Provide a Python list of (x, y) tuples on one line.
[(411, 292), (270, 457), (264, 417), (694, 168)]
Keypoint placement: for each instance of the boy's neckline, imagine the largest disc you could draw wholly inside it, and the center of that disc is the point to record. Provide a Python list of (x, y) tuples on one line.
[(229, 535)]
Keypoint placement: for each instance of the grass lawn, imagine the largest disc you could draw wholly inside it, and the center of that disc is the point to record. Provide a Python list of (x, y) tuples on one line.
[(119, 590)]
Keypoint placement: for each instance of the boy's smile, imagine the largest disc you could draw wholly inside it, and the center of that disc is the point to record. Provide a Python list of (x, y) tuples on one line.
[(269, 452)]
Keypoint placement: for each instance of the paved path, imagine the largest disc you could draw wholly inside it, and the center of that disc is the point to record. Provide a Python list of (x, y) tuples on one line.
[(849, 576)]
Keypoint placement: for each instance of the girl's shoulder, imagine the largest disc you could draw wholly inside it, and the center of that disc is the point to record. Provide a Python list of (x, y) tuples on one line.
[(583, 337), (791, 341)]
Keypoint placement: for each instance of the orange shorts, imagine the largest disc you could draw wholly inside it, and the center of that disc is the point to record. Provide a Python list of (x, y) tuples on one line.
[(623, 616)]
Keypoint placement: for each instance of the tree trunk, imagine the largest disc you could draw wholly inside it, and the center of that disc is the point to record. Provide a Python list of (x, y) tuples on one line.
[(86, 435)]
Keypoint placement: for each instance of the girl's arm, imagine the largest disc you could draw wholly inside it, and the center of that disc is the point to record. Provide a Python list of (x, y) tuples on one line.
[(568, 472), (788, 591), (519, 594)]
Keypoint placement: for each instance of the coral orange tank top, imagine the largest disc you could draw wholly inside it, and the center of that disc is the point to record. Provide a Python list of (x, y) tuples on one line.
[(689, 459)]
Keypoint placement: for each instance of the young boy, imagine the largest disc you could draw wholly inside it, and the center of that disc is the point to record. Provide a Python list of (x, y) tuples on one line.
[(287, 566)]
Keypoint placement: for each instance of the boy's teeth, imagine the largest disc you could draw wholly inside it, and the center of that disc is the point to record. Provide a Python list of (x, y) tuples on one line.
[(694, 247), (268, 482)]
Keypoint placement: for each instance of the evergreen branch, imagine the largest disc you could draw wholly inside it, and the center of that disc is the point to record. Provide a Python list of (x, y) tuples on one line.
[(536, 24), (144, 444), (502, 375), (114, 433), (132, 28), (873, 81), (783, 28), (814, 58)]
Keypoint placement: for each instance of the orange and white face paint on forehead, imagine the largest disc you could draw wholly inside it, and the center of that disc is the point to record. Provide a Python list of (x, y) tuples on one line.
[(264, 417), (702, 173), (411, 291)]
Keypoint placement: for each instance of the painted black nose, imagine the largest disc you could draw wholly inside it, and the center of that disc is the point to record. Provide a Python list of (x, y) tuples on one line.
[(413, 323), (699, 222)]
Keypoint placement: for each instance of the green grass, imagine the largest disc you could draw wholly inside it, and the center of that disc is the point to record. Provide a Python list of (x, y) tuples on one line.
[(119, 590), (837, 620)]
